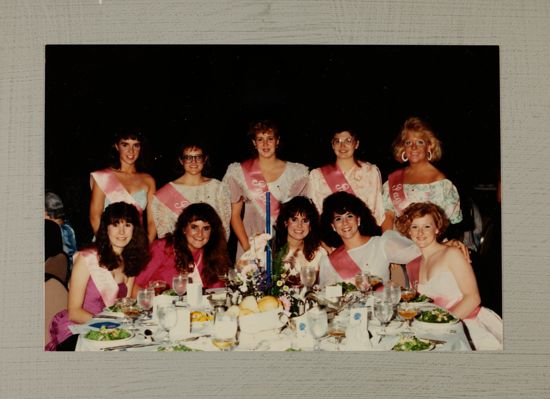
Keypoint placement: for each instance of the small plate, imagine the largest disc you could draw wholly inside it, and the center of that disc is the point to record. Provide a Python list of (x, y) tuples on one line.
[(96, 325)]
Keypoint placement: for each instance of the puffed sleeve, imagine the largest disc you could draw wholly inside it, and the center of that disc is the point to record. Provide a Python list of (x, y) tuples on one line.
[(399, 249), (377, 207), (223, 206), (388, 204), (451, 202), (162, 217), (327, 275), (317, 188), (233, 179), (299, 180)]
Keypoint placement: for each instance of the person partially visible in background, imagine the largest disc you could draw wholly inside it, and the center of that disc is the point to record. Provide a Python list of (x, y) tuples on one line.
[(55, 211)]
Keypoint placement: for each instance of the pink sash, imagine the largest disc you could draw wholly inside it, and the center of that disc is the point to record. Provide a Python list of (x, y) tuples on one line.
[(397, 194), (413, 270), (343, 264), (172, 198), (257, 184), (113, 188), (102, 278), (336, 179)]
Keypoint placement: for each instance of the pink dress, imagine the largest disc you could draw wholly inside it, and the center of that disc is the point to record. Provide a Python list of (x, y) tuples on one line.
[(484, 325), (93, 303), (162, 266)]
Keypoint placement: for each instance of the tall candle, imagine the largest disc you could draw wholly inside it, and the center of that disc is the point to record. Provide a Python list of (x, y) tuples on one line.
[(268, 231)]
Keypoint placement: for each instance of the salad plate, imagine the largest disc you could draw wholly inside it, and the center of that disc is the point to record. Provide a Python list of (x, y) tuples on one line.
[(435, 319), (108, 336), (412, 344)]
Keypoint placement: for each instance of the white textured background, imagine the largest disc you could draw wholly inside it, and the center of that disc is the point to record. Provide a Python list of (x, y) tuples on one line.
[(520, 28)]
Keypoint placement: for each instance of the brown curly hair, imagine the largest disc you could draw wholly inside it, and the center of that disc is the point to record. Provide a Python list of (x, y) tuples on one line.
[(418, 210), (417, 125), (135, 255), (216, 259)]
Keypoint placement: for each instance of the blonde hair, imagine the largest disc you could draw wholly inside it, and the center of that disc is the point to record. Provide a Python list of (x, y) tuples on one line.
[(417, 125)]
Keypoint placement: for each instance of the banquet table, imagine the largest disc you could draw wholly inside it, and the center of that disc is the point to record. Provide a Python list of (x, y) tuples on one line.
[(284, 338)]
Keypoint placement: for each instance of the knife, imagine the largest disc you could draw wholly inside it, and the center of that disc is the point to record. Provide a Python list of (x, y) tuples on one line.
[(434, 341), (114, 348)]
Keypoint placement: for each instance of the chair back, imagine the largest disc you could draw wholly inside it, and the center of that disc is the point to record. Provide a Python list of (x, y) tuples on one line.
[(55, 299), (57, 265)]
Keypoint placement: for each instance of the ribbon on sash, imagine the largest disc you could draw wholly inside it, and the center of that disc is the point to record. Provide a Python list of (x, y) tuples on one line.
[(335, 179), (397, 194), (343, 264), (113, 188), (102, 278), (257, 185), (172, 198), (413, 270)]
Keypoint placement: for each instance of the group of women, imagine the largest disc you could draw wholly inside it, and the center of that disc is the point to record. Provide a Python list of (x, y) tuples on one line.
[(330, 218)]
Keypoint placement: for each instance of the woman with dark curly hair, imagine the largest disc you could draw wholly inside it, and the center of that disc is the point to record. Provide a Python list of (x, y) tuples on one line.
[(297, 242), (347, 223), (103, 272), (197, 246)]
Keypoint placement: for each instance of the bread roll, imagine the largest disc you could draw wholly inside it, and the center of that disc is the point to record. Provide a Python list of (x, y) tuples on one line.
[(249, 303), (268, 303)]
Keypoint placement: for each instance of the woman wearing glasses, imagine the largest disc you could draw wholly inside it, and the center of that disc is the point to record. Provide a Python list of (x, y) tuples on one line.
[(189, 188), (420, 181), (348, 174)]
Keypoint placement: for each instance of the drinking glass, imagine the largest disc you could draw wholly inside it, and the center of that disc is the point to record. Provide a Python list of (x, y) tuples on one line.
[(407, 312), (132, 312), (408, 294), (392, 292), (383, 311), (362, 282), (338, 327), (179, 285), (225, 330), (308, 275), (159, 286), (318, 325), (145, 300), (167, 319)]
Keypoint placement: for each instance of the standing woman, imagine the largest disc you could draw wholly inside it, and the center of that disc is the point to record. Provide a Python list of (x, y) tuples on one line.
[(197, 247), (249, 181), (103, 272), (191, 187), (420, 181), (123, 181), (348, 174)]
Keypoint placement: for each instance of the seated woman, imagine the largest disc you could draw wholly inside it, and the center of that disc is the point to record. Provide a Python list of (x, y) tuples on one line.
[(103, 272), (191, 187), (347, 223), (445, 275), (197, 246), (297, 242), (124, 181)]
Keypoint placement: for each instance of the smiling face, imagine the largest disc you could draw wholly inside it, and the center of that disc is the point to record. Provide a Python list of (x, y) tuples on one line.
[(423, 231), (346, 225), (298, 227), (197, 233), (120, 235), (128, 151), (344, 145), (416, 147), (193, 160), (266, 143)]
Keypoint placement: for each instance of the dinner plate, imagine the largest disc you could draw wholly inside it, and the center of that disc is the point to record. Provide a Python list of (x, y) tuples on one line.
[(104, 344), (429, 348), (434, 326)]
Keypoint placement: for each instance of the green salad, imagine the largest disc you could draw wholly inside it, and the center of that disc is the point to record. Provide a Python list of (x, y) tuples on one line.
[(347, 287), (170, 292), (436, 315), (107, 334), (422, 298), (176, 348), (114, 308), (409, 344)]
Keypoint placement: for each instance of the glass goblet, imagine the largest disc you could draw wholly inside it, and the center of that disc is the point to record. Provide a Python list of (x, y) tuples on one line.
[(179, 285), (383, 311), (392, 292), (132, 312), (159, 286), (308, 275), (225, 330), (145, 300), (407, 312), (167, 319), (362, 282), (318, 324)]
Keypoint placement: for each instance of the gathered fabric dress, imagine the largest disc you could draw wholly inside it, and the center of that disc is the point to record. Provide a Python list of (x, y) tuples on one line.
[(292, 182), (95, 299), (373, 257), (365, 181), (443, 193), (162, 266), (212, 192), (484, 325)]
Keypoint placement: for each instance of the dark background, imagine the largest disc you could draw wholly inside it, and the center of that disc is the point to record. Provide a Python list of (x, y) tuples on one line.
[(170, 91)]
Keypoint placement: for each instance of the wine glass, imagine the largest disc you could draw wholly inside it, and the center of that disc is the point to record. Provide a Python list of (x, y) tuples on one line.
[(392, 292), (225, 330), (159, 286), (362, 282), (339, 327), (132, 312), (145, 300), (407, 312), (167, 319), (408, 294), (308, 275), (383, 311), (318, 325), (179, 285)]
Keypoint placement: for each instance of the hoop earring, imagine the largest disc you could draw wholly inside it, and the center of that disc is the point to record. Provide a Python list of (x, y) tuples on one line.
[(429, 155), (404, 157)]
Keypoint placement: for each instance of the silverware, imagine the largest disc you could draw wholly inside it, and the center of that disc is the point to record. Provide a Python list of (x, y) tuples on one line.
[(434, 341), (123, 347), (194, 338)]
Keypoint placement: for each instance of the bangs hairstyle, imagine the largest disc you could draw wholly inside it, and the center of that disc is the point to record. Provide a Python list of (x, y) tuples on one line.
[(340, 203), (417, 125), (135, 255), (216, 258), (299, 205), (131, 134), (354, 135), (190, 145), (264, 126), (418, 210)]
